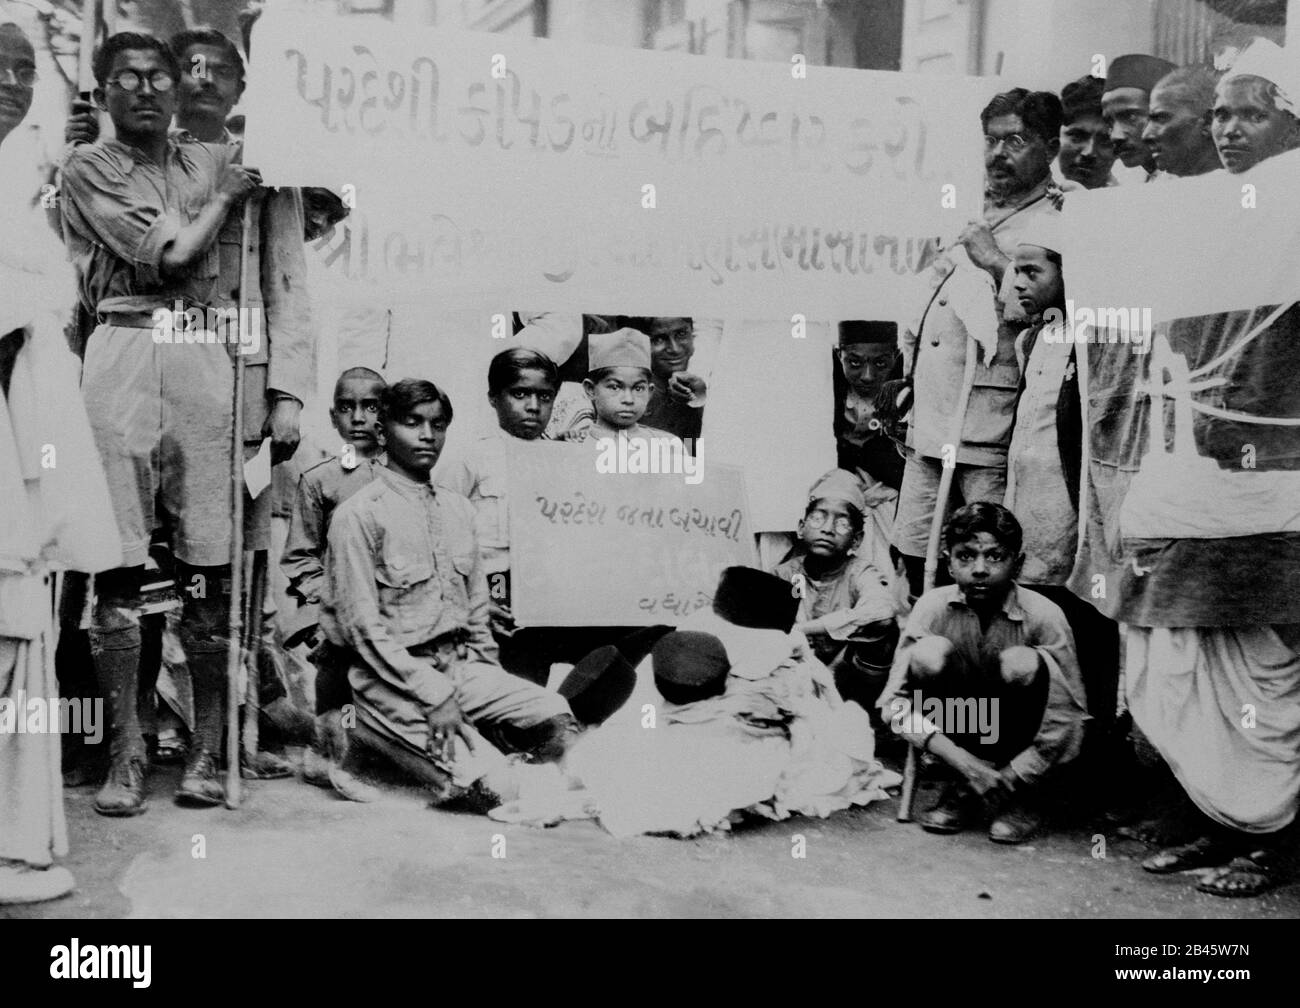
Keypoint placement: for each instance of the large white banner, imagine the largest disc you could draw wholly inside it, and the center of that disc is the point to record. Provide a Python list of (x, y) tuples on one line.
[(495, 170), (1181, 247)]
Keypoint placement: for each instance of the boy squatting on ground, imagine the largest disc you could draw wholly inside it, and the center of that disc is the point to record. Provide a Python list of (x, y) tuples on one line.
[(321, 490), (406, 594), (1009, 651), (846, 608)]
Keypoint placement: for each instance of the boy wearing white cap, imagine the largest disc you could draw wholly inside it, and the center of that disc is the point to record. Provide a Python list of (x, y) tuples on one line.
[(1045, 460), (846, 606), (618, 385)]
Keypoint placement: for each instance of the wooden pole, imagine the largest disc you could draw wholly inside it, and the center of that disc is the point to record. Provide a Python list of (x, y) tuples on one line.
[(253, 652), (86, 52), (234, 656), (907, 798)]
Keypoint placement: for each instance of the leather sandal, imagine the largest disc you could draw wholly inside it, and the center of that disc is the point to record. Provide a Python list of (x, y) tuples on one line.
[(1203, 852), (1245, 875)]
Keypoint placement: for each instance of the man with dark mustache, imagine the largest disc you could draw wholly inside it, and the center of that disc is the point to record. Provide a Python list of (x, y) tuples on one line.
[(142, 213), (1021, 138), (1125, 105)]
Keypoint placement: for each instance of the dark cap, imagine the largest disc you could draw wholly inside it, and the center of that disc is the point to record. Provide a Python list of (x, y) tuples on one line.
[(1137, 70), (753, 598), (598, 685), (689, 666), (860, 331)]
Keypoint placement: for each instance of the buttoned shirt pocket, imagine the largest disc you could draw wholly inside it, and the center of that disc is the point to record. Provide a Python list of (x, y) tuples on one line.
[(460, 582), (490, 520), (408, 593), (992, 405)]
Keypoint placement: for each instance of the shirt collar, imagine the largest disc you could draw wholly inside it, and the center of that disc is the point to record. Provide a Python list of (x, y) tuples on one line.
[(1011, 607), (359, 460), (406, 486), (185, 136), (129, 155)]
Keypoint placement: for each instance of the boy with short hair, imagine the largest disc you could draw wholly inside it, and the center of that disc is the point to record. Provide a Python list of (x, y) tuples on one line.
[(1045, 462), (321, 489), (407, 596), (982, 650), (846, 608)]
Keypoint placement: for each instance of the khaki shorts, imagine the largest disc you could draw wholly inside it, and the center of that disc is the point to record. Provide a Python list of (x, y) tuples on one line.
[(161, 416)]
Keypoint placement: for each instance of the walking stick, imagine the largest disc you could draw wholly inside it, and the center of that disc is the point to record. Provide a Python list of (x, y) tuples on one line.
[(907, 798), (86, 49), (234, 655), (253, 654)]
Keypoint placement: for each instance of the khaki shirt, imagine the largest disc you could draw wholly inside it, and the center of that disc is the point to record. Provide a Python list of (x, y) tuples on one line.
[(402, 569), (942, 344), (121, 210), (1027, 619), (321, 489)]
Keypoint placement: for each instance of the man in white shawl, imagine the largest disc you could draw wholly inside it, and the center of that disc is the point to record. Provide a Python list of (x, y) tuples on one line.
[(57, 514)]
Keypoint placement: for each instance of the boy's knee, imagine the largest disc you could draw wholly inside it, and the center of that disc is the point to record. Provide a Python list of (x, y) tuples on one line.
[(1019, 665), (930, 657)]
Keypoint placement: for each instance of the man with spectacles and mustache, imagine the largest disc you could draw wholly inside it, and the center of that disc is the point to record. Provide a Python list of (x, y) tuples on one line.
[(141, 213), (1021, 138)]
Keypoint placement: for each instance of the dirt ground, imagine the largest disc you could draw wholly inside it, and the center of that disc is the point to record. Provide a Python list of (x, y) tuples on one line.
[(296, 851)]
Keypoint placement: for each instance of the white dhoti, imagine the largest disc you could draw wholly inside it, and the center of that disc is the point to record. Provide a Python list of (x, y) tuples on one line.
[(1222, 705)]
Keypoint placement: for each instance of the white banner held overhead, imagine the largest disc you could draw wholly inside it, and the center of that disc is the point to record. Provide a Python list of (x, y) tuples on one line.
[(1187, 246), (504, 170)]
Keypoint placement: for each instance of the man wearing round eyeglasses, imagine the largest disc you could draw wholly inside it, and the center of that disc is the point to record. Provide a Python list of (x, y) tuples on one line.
[(17, 76), (141, 215), (1021, 138)]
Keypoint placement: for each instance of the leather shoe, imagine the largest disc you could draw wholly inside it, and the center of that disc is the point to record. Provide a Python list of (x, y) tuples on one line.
[(123, 791), (952, 813), (1016, 823), (201, 783), (263, 766)]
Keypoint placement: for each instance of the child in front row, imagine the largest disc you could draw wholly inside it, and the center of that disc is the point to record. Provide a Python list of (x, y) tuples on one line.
[(986, 680), (846, 607), (321, 490)]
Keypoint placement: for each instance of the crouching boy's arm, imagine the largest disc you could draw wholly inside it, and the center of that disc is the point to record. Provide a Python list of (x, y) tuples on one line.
[(923, 653), (1061, 733)]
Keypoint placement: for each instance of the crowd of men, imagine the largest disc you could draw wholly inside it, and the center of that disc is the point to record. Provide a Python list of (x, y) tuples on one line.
[(978, 435)]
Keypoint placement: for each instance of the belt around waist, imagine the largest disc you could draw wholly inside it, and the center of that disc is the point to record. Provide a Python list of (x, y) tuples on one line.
[(129, 319)]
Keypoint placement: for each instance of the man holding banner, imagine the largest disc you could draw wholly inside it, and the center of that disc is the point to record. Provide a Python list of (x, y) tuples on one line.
[(1021, 138), (1211, 539)]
